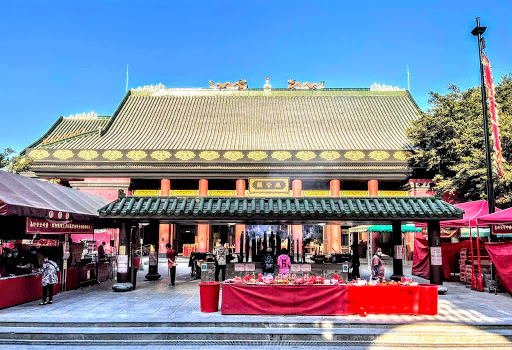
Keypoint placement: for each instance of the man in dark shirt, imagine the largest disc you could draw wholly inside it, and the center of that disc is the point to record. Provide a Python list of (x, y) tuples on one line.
[(101, 251), (267, 263), (171, 264), (33, 259)]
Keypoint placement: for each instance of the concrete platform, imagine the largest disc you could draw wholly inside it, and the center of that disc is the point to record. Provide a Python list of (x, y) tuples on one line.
[(156, 316), (154, 301)]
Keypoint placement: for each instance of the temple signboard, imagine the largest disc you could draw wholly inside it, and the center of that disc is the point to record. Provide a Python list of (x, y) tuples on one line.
[(269, 186)]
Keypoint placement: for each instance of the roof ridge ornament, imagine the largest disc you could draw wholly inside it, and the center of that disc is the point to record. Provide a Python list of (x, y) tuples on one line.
[(86, 116), (267, 86), (384, 87), (239, 85), (151, 87), (293, 84)]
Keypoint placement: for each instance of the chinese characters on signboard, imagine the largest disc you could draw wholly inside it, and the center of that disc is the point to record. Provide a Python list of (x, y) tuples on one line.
[(502, 229), (269, 186), (48, 226)]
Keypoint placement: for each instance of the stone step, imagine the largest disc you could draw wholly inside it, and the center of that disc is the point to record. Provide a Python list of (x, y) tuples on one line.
[(419, 335), (251, 324)]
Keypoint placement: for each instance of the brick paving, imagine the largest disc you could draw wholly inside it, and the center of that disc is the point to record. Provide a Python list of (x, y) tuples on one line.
[(154, 301)]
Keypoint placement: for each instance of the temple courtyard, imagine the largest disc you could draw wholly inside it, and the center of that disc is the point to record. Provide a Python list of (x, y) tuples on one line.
[(157, 316)]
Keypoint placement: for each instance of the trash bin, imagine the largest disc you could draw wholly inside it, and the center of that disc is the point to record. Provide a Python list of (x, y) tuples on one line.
[(209, 296)]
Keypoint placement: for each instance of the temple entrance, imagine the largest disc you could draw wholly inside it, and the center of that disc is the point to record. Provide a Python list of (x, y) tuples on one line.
[(185, 234)]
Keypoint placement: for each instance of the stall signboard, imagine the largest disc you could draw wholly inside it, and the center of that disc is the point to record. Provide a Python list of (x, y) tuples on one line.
[(295, 268), (122, 263), (49, 226), (502, 229), (305, 268), (399, 252), (436, 256), (269, 186)]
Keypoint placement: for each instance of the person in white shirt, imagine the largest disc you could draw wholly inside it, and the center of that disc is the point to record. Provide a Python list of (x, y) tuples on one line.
[(220, 254)]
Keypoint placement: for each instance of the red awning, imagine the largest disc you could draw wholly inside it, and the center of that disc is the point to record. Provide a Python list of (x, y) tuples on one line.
[(500, 217), (472, 212), (22, 196)]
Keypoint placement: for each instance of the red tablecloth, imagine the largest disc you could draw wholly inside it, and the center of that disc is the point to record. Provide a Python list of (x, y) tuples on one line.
[(410, 300), (22, 289), (284, 300)]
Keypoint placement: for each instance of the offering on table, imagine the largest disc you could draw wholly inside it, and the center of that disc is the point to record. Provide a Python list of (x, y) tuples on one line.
[(248, 277), (260, 277)]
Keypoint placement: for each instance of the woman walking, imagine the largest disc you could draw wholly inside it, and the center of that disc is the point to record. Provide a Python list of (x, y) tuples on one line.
[(50, 278)]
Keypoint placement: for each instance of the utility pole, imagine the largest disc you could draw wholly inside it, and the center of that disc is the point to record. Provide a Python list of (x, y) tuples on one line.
[(478, 31)]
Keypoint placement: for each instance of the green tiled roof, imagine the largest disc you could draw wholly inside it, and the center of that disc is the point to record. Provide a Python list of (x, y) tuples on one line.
[(209, 119), (413, 208)]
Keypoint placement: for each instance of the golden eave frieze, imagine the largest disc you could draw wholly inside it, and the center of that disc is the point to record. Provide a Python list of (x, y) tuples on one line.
[(217, 156)]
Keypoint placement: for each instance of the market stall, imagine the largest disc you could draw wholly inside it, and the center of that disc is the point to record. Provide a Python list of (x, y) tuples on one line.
[(500, 253), (36, 219)]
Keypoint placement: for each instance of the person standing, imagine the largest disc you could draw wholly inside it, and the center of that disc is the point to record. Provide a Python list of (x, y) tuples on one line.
[(355, 265), (267, 263), (377, 265), (284, 262), (220, 254), (101, 251), (49, 279), (171, 264)]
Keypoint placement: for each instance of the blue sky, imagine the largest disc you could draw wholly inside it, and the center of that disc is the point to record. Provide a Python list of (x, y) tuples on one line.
[(61, 58)]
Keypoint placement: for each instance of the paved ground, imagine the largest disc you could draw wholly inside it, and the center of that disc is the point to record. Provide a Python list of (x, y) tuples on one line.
[(155, 301)]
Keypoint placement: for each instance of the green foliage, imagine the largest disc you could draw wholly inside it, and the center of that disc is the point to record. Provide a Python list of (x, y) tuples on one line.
[(449, 143), (14, 163)]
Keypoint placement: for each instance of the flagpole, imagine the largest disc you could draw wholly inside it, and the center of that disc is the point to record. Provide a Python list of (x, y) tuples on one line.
[(478, 31)]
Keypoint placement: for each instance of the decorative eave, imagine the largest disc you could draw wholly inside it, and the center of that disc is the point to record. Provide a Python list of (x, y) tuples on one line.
[(218, 157)]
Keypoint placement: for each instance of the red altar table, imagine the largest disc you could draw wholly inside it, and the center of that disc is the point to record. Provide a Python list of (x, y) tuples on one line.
[(22, 289), (406, 300), (244, 299)]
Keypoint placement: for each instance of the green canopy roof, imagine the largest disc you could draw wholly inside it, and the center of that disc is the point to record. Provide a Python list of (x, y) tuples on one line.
[(482, 232), (281, 208)]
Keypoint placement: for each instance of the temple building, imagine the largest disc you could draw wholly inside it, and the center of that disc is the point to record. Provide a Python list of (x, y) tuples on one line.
[(231, 141)]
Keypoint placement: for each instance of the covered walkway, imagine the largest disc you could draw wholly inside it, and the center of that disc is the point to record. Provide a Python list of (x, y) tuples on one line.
[(129, 212)]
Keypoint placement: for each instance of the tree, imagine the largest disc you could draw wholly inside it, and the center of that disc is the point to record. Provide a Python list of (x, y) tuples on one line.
[(449, 143), (14, 163)]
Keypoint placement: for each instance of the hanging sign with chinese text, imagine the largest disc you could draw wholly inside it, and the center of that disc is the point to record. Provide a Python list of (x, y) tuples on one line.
[(502, 229), (47, 226), (269, 186)]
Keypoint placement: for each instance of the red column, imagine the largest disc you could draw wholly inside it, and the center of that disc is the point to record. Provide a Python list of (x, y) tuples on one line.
[(335, 188), (297, 188), (164, 230), (297, 229), (240, 188), (373, 188), (165, 187), (240, 192), (203, 230), (334, 230), (203, 187)]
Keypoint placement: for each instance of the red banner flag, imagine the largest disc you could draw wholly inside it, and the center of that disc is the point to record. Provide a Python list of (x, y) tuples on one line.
[(494, 115)]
